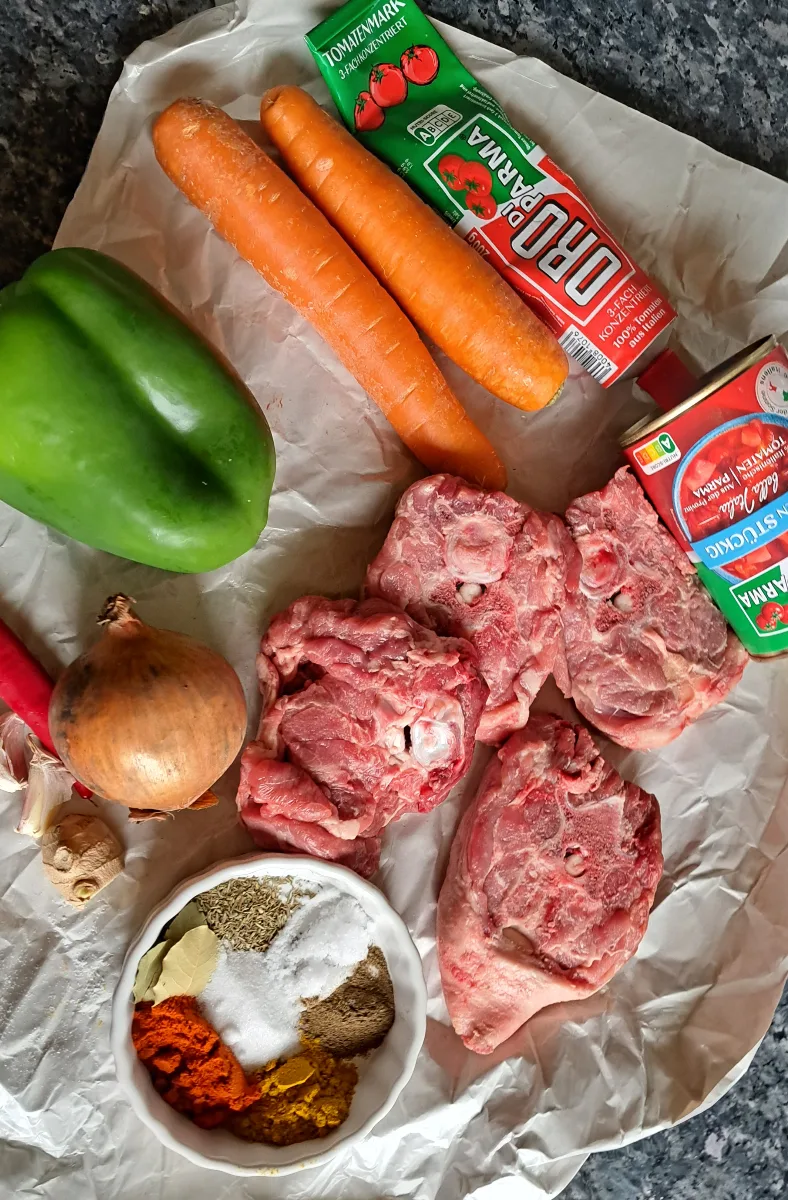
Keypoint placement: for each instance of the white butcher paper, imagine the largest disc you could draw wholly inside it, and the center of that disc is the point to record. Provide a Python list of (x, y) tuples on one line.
[(679, 1024)]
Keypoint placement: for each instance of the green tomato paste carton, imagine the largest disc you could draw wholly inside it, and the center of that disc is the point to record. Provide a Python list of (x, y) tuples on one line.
[(410, 100)]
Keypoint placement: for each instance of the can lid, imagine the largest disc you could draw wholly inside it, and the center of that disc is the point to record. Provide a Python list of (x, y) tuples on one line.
[(709, 383), (667, 380)]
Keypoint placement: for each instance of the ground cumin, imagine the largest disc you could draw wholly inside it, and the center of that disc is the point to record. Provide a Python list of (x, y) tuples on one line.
[(356, 1016), (300, 1099), (188, 1062)]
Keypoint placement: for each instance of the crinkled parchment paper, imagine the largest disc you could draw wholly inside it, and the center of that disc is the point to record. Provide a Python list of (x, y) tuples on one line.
[(678, 1025)]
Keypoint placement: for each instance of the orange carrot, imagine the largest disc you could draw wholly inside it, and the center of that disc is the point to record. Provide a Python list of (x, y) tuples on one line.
[(437, 277), (261, 212)]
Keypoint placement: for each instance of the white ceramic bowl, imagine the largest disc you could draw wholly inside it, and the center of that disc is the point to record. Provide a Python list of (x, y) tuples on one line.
[(379, 1085)]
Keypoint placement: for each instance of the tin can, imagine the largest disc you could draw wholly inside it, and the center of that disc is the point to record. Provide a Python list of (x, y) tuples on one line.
[(716, 469)]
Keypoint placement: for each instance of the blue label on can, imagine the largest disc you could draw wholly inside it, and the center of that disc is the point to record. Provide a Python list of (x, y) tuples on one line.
[(746, 488)]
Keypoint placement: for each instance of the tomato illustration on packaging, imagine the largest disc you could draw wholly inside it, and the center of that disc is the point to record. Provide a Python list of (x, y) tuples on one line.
[(476, 178), (450, 170), (387, 85), (453, 143), (367, 115), (716, 470), (770, 614), (420, 64), (481, 204)]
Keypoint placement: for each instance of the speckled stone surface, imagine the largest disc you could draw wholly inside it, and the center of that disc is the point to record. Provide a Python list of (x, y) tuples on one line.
[(717, 69), (738, 1150), (59, 60)]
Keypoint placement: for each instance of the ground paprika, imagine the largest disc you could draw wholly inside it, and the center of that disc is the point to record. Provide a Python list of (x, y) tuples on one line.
[(189, 1064)]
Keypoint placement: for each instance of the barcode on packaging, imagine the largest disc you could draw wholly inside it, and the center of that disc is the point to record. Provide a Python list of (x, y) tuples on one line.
[(586, 353)]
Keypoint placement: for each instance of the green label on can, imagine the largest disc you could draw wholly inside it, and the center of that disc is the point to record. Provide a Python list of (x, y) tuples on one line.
[(756, 608)]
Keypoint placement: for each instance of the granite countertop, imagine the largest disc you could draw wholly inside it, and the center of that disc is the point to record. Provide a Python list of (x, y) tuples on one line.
[(717, 69)]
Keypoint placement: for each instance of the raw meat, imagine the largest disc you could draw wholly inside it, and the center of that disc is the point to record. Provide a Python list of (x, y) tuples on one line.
[(479, 565), (647, 651), (284, 809), (551, 878), (366, 716)]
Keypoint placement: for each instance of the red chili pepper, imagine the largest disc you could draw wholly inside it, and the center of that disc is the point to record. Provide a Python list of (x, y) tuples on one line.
[(27, 689)]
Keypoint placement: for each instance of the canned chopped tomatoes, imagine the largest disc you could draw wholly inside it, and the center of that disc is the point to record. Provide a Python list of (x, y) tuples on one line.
[(716, 470)]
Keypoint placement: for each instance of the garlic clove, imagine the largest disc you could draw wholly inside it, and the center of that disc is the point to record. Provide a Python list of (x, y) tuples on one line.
[(49, 787), (13, 756)]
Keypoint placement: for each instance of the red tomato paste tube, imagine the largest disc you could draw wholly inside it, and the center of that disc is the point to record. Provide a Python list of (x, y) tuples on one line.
[(716, 469), (410, 100)]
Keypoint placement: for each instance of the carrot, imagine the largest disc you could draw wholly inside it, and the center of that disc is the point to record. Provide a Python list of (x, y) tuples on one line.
[(437, 277), (271, 224)]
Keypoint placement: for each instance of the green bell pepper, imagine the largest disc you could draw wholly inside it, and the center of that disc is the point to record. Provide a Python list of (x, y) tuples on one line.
[(119, 425)]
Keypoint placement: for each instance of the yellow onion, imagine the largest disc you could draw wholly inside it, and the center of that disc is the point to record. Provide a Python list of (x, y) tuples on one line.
[(147, 717)]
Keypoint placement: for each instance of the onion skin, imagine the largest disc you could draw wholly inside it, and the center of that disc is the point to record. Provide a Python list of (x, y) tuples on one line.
[(147, 717)]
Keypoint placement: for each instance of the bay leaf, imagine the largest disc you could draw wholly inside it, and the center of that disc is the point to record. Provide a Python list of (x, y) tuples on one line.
[(188, 965), (188, 918), (148, 971)]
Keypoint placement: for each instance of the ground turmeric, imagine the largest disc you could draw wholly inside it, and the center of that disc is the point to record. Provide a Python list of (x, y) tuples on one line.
[(188, 1062), (302, 1098)]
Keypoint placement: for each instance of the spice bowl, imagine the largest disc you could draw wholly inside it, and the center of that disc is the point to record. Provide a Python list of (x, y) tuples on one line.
[(381, 1079)]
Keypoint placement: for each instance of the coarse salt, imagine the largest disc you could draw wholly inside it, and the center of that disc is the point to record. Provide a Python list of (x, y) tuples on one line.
[(253, 999)]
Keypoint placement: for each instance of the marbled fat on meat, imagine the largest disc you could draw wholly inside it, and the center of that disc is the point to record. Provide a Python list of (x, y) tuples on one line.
[(484, 567), (550, 882), (366, 716), (647, 651)]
